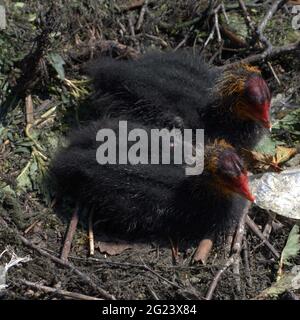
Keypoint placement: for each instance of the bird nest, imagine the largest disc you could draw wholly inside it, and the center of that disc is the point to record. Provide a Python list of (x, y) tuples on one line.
[(43, 94)]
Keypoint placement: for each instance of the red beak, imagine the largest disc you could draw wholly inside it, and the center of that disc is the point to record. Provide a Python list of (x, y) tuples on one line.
[(264, 116), (241, 186)]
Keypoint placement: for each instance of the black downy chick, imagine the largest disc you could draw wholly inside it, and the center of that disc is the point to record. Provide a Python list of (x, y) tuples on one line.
[(145, 199), (178, 89)]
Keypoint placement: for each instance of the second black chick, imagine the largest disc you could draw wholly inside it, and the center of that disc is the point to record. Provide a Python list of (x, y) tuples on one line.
[(178, 89), (143, 199)]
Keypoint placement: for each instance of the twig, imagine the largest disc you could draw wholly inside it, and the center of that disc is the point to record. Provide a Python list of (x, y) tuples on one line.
[(174, 249), (31, 226), (228, 244), (132, 31), (216, 17), (275, 51), (29, 110), (215, 28), (159, 276), (70, 235), (247, 17), (158, 39), (238, 240), (70, 266), (153, 293), (182, 42), (250, 24), (260, 29), (213, 285), (211, 35), (91, 234), (224, 12), (268, 227), (73, 295), (252, 225), (245, 253), (236, 272), (142, 15), (274, 73), (236, 248), (276, 5)]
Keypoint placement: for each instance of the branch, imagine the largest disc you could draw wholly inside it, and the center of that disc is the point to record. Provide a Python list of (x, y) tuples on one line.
[(251, 224), (276, 5), (70, 235), (64, 293), (260, 29), (68, 265), (236, 248), (267, 54)]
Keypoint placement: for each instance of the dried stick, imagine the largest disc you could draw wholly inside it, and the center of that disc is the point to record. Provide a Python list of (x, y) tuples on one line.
[(142, 15), (236, 248), (132, 31), (247, 17), (64, 293), (236, 272), (159, 276), (250, 24), (182, 42), (91, 234), (162, 42), (215, 27), (268, 227), (70, 235), (260, 29), (276, 5), (252, 225), (245, 253), (153, 293), (29, 110), (174, 249), (70, 266), (267, 54), (213, 285)]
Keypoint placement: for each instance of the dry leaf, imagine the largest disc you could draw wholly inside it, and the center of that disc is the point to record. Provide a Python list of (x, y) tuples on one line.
[(258, 160), (114, 248), (264, 161), (283, 154)]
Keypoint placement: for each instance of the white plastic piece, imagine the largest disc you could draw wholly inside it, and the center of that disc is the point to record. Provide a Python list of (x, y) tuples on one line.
[(278, 192), (14, 260)]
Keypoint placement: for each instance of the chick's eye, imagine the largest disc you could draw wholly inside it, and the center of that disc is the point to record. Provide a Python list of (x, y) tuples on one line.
[(231, 165), (257, 91)]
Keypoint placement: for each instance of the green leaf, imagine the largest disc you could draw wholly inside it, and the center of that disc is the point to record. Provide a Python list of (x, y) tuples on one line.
[(8, 190), (27, 176), (19, 5), (32, 17), (290, 123), (289, 281), (58, 64), (266, 146), (292, 246)]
